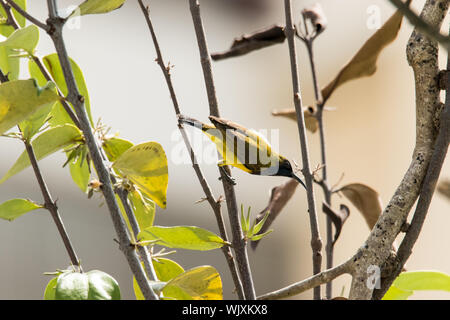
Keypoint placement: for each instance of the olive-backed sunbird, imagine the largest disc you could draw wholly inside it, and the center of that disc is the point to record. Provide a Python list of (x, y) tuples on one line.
[(243, 148)]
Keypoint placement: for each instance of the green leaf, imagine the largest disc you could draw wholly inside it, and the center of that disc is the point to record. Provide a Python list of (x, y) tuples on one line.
[(44, 145), (200, 283), (19, 99), (146, 166), (14, 208), (51, 63), (6, 30), (50, 290), (9, 64), (395, 293), (260, 236), (245, 223), (92, 285), (114, 147), (143, 208), (79, 170), (182, 237), (408, 282), (256, 229), (57, 116), (165, 270), (98, 6), (34, 123), (23, 39)]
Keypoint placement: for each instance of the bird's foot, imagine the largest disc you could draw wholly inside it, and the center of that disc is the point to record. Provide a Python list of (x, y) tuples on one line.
[(226, 176)]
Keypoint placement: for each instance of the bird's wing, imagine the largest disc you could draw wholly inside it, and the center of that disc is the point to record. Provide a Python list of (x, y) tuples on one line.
[(230, 125)]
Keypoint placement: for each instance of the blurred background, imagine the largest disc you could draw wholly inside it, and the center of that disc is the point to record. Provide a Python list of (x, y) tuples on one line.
[(370, 138)]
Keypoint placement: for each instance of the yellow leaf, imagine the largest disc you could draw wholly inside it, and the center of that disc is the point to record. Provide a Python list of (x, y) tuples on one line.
[(19, 99), (146, 166), (200, 283)]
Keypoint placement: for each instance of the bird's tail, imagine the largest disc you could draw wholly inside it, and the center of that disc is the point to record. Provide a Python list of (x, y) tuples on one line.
[(299, 180), (193, 122)]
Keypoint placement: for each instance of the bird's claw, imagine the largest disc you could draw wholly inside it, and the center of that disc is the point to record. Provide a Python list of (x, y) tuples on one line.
[(226, 176)]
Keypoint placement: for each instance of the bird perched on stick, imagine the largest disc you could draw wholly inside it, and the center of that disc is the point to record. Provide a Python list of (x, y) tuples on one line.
[(243, 148)]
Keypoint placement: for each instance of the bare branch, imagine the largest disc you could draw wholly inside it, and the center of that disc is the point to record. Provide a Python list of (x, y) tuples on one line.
[(55, 24), (27, 16), (239, 244), (50, 205), (215, 205), (426, 194), (312, 282), (423, 58), (316, 242), (421, 25)]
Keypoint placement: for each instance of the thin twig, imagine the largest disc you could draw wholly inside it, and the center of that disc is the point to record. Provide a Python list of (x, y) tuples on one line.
[(316, 242), (215, 205), (309, 41), (51, 206), (9, 16), (421, 25), (314, 281), (27, 16), (143, 251), (56, 24), (239, 244)]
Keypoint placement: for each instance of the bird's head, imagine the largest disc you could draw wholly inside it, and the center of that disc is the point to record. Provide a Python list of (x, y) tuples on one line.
[(285, 168)]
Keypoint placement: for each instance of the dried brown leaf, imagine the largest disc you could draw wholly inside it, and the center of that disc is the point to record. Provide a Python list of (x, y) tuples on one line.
[(337, 217), (444, 188), (317, 16), (364, 63), (309, 113), (254, 41), (366, 200), (279, 196)]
